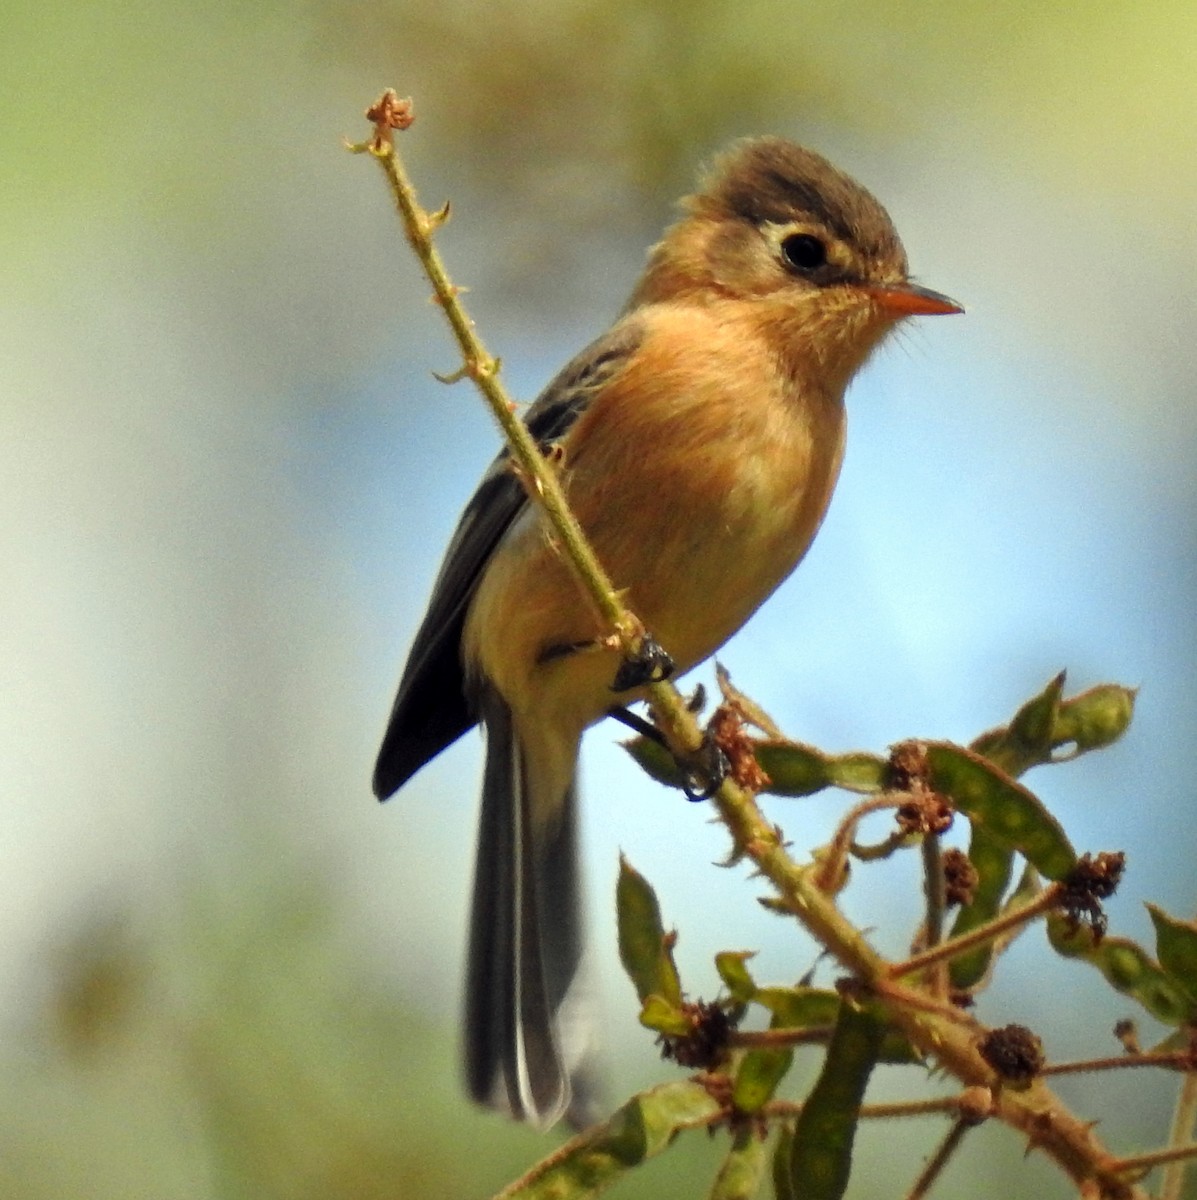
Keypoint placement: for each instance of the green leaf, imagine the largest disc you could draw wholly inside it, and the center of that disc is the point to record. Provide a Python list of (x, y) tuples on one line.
[(659, 1015), (1048, 723), (1097, 718), (762, 1069), (600, 1156), (821, 1155), (994, 864), (1126, 966), (644, 947), (757, 1077), (1040, 727), (1008, 812), (1027, 740), (1176, 948), (782, 1153), (733, 970), (795, 769), (743, 1169), (799, 1007), (858, 771), (655, 760)]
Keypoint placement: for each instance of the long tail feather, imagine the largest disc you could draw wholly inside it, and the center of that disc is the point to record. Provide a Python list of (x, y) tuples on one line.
[(523, 1037)]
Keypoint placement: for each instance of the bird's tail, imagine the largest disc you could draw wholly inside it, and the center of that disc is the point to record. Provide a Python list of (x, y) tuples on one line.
[(526, 1027)]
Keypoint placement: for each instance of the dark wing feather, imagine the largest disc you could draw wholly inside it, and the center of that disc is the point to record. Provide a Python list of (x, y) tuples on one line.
[(431, 709)]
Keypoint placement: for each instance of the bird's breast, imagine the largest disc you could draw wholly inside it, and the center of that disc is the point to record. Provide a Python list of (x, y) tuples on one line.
[(700, 473)]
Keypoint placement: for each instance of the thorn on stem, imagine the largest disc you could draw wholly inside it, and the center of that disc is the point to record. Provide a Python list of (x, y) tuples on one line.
[(430, 222)]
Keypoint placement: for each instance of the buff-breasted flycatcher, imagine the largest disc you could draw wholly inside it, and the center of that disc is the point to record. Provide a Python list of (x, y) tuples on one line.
[(699, 439)]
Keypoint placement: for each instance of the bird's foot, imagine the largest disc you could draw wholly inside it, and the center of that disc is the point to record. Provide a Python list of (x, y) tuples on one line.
[(703, 772), (650, 664)]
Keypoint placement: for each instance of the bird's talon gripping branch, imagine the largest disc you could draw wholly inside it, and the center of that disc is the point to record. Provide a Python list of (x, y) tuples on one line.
[(650, 664), (704, 772)]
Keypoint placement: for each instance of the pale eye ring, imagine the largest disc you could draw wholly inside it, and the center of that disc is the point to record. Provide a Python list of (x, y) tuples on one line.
[(804, 252)]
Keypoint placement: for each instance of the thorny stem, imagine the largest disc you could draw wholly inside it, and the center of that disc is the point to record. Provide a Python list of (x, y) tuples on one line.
[(1036, 1111), (482, 368)]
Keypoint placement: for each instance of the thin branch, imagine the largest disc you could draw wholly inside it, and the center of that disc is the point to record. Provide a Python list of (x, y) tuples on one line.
[(482, 368), (810, 1035), (934, 888), (935, 1165), (875, 1112), (831, 866), (1180, 1060), (1140, 1164), (980, 936)]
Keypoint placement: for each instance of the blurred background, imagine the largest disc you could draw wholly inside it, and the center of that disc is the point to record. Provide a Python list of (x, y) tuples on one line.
[(228, 477)]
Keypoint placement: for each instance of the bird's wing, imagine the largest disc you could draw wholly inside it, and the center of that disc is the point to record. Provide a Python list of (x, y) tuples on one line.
[(431, 709)]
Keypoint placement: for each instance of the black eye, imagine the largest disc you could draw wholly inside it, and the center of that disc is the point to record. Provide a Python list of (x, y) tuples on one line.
[(804, 252)]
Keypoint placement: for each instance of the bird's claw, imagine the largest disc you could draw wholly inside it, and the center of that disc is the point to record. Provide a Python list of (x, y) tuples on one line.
[(650, 664), (704, 772)]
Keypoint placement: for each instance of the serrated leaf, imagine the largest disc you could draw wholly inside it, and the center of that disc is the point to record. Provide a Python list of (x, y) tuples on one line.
[(1176, 948), (1007, 811), (1126, 966), (597, 1158), (644, 947)]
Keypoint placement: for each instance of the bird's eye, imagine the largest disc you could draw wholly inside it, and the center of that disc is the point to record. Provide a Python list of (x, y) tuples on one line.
[(804, 252)]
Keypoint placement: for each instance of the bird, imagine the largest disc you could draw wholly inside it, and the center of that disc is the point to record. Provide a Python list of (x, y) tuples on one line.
[(698, 441)]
